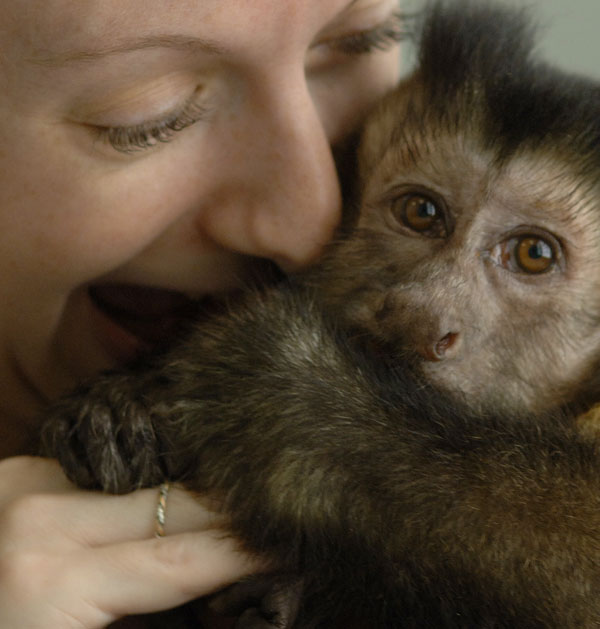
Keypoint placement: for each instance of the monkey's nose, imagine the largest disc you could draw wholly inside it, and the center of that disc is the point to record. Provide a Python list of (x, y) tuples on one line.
[(445, 347)]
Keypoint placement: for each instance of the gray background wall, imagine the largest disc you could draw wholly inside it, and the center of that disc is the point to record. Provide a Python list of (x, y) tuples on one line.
[(570, 31)]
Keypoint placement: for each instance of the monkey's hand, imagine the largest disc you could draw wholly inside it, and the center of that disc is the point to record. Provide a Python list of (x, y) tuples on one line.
[(262, 602), (103, 436)]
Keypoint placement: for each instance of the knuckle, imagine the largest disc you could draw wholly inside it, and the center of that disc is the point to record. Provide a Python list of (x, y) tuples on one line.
[(23, 474), (27, 515), (33, 586), (26, 574)]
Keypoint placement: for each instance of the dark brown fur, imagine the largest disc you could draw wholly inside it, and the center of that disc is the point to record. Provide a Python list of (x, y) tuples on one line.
[(387, 427)]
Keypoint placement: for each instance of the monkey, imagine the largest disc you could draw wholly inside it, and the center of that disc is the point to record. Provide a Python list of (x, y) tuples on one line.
[(395, 428)]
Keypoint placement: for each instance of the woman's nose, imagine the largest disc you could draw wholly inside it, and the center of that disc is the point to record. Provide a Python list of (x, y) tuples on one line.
[(283, 198)]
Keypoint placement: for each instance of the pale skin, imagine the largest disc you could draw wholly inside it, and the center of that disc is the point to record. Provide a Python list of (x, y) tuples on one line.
[(263, 89)]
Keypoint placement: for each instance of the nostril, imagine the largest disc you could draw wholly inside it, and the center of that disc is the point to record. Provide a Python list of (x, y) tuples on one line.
[(444, 346)]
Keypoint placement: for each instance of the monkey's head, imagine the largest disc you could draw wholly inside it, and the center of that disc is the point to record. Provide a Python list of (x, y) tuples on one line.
[(476, 250)]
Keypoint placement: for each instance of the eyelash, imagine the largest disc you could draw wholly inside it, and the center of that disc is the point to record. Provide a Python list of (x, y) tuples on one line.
[(379, 38), (146, 135)]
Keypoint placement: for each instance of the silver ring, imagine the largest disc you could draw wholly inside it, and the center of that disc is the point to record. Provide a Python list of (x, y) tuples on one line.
[(161, 510)]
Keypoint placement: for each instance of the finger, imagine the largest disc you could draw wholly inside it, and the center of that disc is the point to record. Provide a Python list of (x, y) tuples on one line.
[(27, 474), (83, 518), (94, 586), (101, 519), (156, 574)]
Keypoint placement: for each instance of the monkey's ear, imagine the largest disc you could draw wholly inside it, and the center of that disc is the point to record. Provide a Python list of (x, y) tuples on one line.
[(588, 424), (465, 40)]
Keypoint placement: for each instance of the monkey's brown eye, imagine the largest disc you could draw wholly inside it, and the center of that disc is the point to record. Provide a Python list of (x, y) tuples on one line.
[(534, 255), (529, 254), (421, 214)]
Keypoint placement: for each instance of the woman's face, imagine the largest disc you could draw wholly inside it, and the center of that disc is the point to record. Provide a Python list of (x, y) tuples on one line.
[(162, 145)]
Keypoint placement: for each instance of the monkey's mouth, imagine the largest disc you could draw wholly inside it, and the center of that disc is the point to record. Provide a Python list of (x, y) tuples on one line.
[(152, 318)]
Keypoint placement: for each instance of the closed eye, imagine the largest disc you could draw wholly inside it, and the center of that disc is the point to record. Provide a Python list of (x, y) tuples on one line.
[(145, 135), (381, 37)]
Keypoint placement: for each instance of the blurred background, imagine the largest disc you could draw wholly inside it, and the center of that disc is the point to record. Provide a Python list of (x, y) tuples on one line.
[(569, 33)]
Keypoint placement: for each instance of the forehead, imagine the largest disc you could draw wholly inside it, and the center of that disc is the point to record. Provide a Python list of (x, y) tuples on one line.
[(451, 151), (49, 27)]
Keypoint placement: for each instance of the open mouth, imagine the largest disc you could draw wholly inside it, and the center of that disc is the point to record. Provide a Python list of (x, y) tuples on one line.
[(154, 316), (134, 319)]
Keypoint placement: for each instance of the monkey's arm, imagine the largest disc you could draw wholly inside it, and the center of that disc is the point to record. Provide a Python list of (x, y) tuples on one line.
[(356, 479)]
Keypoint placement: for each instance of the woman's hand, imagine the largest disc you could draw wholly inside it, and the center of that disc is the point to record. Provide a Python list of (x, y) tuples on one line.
[(77, 559)]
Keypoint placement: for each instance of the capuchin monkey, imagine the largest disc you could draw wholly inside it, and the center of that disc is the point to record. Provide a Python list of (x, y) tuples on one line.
[(395, 429)]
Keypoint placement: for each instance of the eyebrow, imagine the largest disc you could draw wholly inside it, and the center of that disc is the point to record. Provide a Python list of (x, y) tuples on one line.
[(173, 42)]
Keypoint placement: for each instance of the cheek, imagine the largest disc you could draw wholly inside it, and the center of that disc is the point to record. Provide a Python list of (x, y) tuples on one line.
[(366, 80), (77, 220), (75, 236), (533, 353)]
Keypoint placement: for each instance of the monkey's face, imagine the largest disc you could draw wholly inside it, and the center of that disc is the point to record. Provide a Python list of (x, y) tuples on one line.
[(486, 277)]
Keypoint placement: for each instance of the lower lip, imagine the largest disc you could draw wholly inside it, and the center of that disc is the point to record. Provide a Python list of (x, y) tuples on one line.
[(122, 346)]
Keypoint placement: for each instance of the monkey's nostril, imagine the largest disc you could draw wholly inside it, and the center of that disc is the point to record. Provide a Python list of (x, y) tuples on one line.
[(443, 347)]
